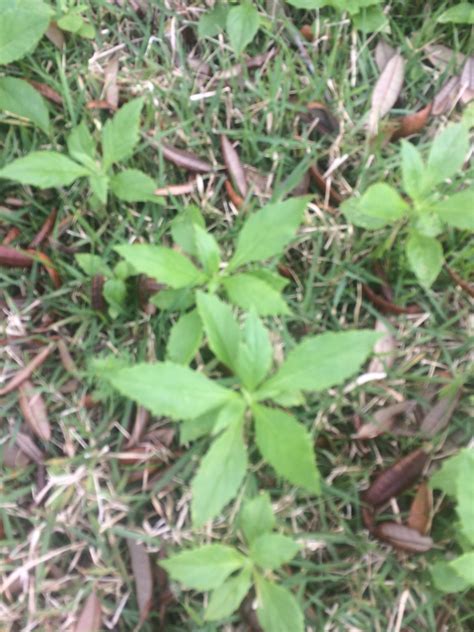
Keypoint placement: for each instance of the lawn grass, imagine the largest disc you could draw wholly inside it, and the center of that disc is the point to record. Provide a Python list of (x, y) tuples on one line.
[(74, 537)]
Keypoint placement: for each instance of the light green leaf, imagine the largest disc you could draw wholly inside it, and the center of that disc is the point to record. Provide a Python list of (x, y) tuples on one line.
[(21, 99), (321, 362), (22, 24), (182, 228), (457, 210), (465, 504), (170, 389), (278, 224), (446, 478), (378, 206), (254, 358), (462, 13), (115, 293), (275, 280), (132, 185), (185, 338), (256, 517), (44, 169), (163, 264), (207, 250), (80, 143), (242, 24), (222, 330), (174, 300), (464, 567), (287, 446), (219, 475), (121, 133), (425, 256), (447, 155), (71, 22), (93, 264), (277, 609), (99, 184), (353, 6), (192, 429), (272, 550), (248, 292), (413, 170), (213, 22), (205, 567), (446, 579), (228, 597), (427, 222), (371, 19), (230, 414)]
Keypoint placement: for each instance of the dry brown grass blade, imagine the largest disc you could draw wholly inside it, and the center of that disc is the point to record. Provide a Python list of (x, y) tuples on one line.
[(66, 358), (396, 479), (14, 258), (12, 234), (387, 306), (99, 104), (55, 35), (403, 538), (385, 419), (111, 90), (34, 410), (13, 456), (29, 447), (47, 92), (91, 615), (185, 159), (234, 167), (178, 189), (323, 185), (49, 266), (45, 230), (386, 91), (27, 371), (412, 123), (440, 414), (141, 420), (383, 54), (445, 100), (385, 349), (441, 56), (467, 81), (237, 200), (467, 287), (141, 568), (421, 510)]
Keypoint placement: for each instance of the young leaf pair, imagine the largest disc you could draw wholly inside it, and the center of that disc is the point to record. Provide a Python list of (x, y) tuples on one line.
[(120, 136), (230, 574), (240, 22), (204, 406), (430, 211), (264, 234)]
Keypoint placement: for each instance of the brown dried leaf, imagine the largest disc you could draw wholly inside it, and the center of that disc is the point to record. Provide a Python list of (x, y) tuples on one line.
[(26, 371), (47, 92), (66, 358), (440, 415), (111, 91), (55, 35), (421, 510), (467, 287), (385, 347), (185, 159), (13, 233), (178, 189), (386, 91), (14, 258), (13, 456), (49, 266), (99, 104), (412, 123), (307, 32), (27, 445), (326, 122), (45, 230), (403, 538), (445, 100), (141, 419), (234, 166), (467, 81), (234, 197), (383, 54), (97, 293), (384, 419), (441, 56), (34, 410), (91, 615), (141, 568), (396, 479), (323, 185), (387, 306)]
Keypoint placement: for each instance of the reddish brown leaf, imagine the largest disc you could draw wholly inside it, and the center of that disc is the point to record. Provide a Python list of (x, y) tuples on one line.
[(403, 538), (49, 266), (178, 189), (384, 419), (234, 197), (55, 35), (383, 54), (14, 258), (91, 615), (412, 123), (460, 281), (97, 293), (445, 100), (141, 568), (386, 91), (12, 234), (234, 166), (307, 32), (146, 288), (385, 349), (26, 371), (45, 230), (396, 479), (99, 104), (47, 92), (368, 519), (440, 414), (34, 411), (185, 159), (323, 185), (421, 510), (387, 306)]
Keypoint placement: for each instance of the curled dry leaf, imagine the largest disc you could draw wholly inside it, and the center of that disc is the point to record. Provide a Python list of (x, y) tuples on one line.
[(178, 189), (440, 414), (10, 237), (441, 56), (185, 159), (47, 92), (383, 54), (66, 358), (50, 268), (99, 104), (111, 91), (323, 185), (34, 410), (325, 121), (403, 538), (307, 32), (386, 91), (237, 200), (91, 615), (467, 287), (13, 456), (421, 510), (445, 100), (45, 230), (396, 479), (412, 123), (234, 166), (14, 258), (467, 81), (97, 293), (387, 306), (27, 445), (385, 419), (141, 568), (26, 371), (55, 35), (141, 419), (384, 348)]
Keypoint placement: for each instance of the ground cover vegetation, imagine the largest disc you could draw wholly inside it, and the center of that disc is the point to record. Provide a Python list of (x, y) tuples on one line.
[(236, 294)]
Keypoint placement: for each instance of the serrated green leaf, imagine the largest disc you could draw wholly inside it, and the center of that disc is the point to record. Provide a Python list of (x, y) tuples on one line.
[(256, 517), (221, 328), (80, 143), (21, 99), (287, 446), (205, 567), (99, 184), (457, 210), (278, 222), (93, 264), (446, 579), (465, 504), (228, 597), (446, 478), (121, 133), (413, 170), (255, 353), (273, 279), (321, 362), (277, 609), (230, 414), (425, 256), (170, 389), (378, 206), (185, 338), (182, 228), (272, 550), (464, 567), (242, 24), (115, 293), (163, 264), (44, 169), (248, 292), (462, 13), (207, 250), (22, 24), (213, 22), (174, 300), (132, 185), (447, 155), (192, 429), (219, 475)]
